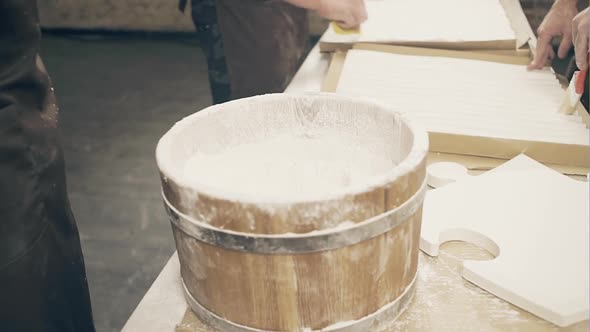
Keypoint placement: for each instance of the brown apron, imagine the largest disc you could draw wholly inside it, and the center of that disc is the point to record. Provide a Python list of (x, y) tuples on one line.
[(265, 42), (42, 278)]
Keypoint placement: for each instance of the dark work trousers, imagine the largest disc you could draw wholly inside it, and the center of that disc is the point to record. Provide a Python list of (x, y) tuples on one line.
[(253, 47), (264, 43), (204, 15), (43, 284)]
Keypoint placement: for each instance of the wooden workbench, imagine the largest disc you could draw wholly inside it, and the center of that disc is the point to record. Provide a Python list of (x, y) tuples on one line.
[(443, 300)]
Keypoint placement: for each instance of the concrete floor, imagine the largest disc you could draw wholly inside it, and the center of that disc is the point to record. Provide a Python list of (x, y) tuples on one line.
[(117, 96)]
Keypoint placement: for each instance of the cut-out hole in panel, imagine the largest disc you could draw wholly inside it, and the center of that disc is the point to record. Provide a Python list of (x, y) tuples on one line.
[(468, 245)]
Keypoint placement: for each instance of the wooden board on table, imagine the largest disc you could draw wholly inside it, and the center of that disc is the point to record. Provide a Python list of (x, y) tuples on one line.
[(505, 120), (447, 24)]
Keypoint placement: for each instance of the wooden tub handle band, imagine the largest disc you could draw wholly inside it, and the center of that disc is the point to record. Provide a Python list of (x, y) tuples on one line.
[(279, 244)]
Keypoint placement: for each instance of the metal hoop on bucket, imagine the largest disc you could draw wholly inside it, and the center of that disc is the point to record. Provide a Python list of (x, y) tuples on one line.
[(387, 313), (322, 240)]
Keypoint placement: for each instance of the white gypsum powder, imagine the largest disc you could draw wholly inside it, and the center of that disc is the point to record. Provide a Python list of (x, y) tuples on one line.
[(288, 167)]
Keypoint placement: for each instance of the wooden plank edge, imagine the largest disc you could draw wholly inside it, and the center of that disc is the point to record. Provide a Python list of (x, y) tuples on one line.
[(471, 55), (494, 45), (501, 148), (330, 83), (482, 164)]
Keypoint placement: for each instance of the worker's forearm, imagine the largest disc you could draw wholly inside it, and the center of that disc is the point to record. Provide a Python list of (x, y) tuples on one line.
[(568, 2), (307, 4)]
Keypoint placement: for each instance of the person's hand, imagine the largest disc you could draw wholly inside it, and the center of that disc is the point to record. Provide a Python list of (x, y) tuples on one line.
[(347, 13), (557, 22), (580, 30)]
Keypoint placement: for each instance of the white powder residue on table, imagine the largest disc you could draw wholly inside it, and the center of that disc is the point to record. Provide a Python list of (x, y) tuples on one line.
[(288, 166)]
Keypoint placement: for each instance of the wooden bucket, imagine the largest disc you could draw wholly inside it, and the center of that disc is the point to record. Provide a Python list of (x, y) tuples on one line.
[(342, 262)]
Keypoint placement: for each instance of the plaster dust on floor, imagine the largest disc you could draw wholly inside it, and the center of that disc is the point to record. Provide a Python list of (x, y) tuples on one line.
[(289, 165)]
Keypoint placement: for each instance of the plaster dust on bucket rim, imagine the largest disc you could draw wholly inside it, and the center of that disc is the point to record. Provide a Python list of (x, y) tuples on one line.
[(301, 155), (294, 167)]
